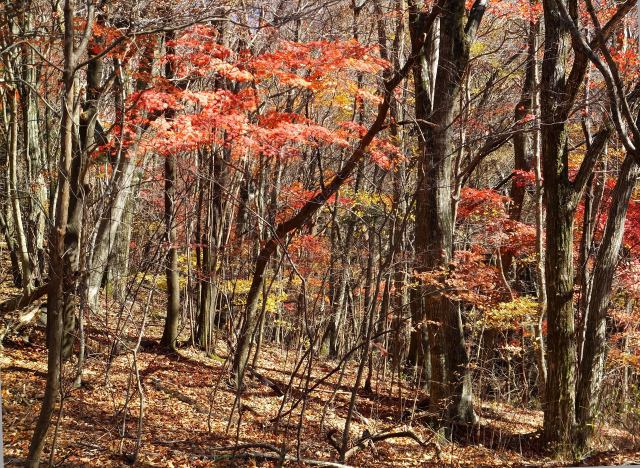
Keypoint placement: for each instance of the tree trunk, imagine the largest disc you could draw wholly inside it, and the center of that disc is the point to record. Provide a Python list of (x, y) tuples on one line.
[(211, 244), (540, 271), (120, 188), (60, 280), (591, 370), (523, 138), (170, 333), (16, 209), (560, 391), (450, 385), (34, 158), (11, 247), (558, 94)]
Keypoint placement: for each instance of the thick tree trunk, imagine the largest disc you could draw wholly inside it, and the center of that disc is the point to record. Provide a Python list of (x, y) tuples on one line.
[(560, 391), (558, 94), (591, 370), (561, 199), (450, 385), (424, 77)]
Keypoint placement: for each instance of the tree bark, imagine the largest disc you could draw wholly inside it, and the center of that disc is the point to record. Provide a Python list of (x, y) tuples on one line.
[(16, 209), (120, 186), (592, 366), (170, 333), (558, 94), (450, 385), (34, 157)]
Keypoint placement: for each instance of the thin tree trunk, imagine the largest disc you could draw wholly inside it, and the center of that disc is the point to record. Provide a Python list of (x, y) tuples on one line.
[(170, 333), (59, 278), (540, 274), (16, 209)]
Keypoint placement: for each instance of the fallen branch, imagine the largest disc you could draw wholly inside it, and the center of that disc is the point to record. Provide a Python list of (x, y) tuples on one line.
[(278, 455), (158, 385), (265, 381), (20, 302), (367, 440), (20, 322)]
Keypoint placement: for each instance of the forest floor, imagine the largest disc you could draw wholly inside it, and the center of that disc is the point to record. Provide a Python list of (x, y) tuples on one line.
[(187, 403)]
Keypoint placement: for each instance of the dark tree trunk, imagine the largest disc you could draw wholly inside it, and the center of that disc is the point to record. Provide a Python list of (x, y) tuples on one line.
[(523, 138), (561, 195), (450, 385), (170, 333), (591, 370)]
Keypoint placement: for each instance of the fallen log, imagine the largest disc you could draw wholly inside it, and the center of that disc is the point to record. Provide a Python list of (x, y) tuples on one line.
[(265, 381), (20, 302)]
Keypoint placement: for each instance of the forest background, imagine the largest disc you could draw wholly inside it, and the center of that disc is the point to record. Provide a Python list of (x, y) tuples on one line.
[(320, 232)]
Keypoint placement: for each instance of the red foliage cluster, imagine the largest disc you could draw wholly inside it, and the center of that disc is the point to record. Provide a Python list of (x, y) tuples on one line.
[(481, 202), (244, 119), (524, 178)]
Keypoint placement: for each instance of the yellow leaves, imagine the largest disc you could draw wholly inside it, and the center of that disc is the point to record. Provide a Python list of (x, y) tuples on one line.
[(503, 316), (239, 288), (364, 202), (343, 100), (343, 94), (477, 48)]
